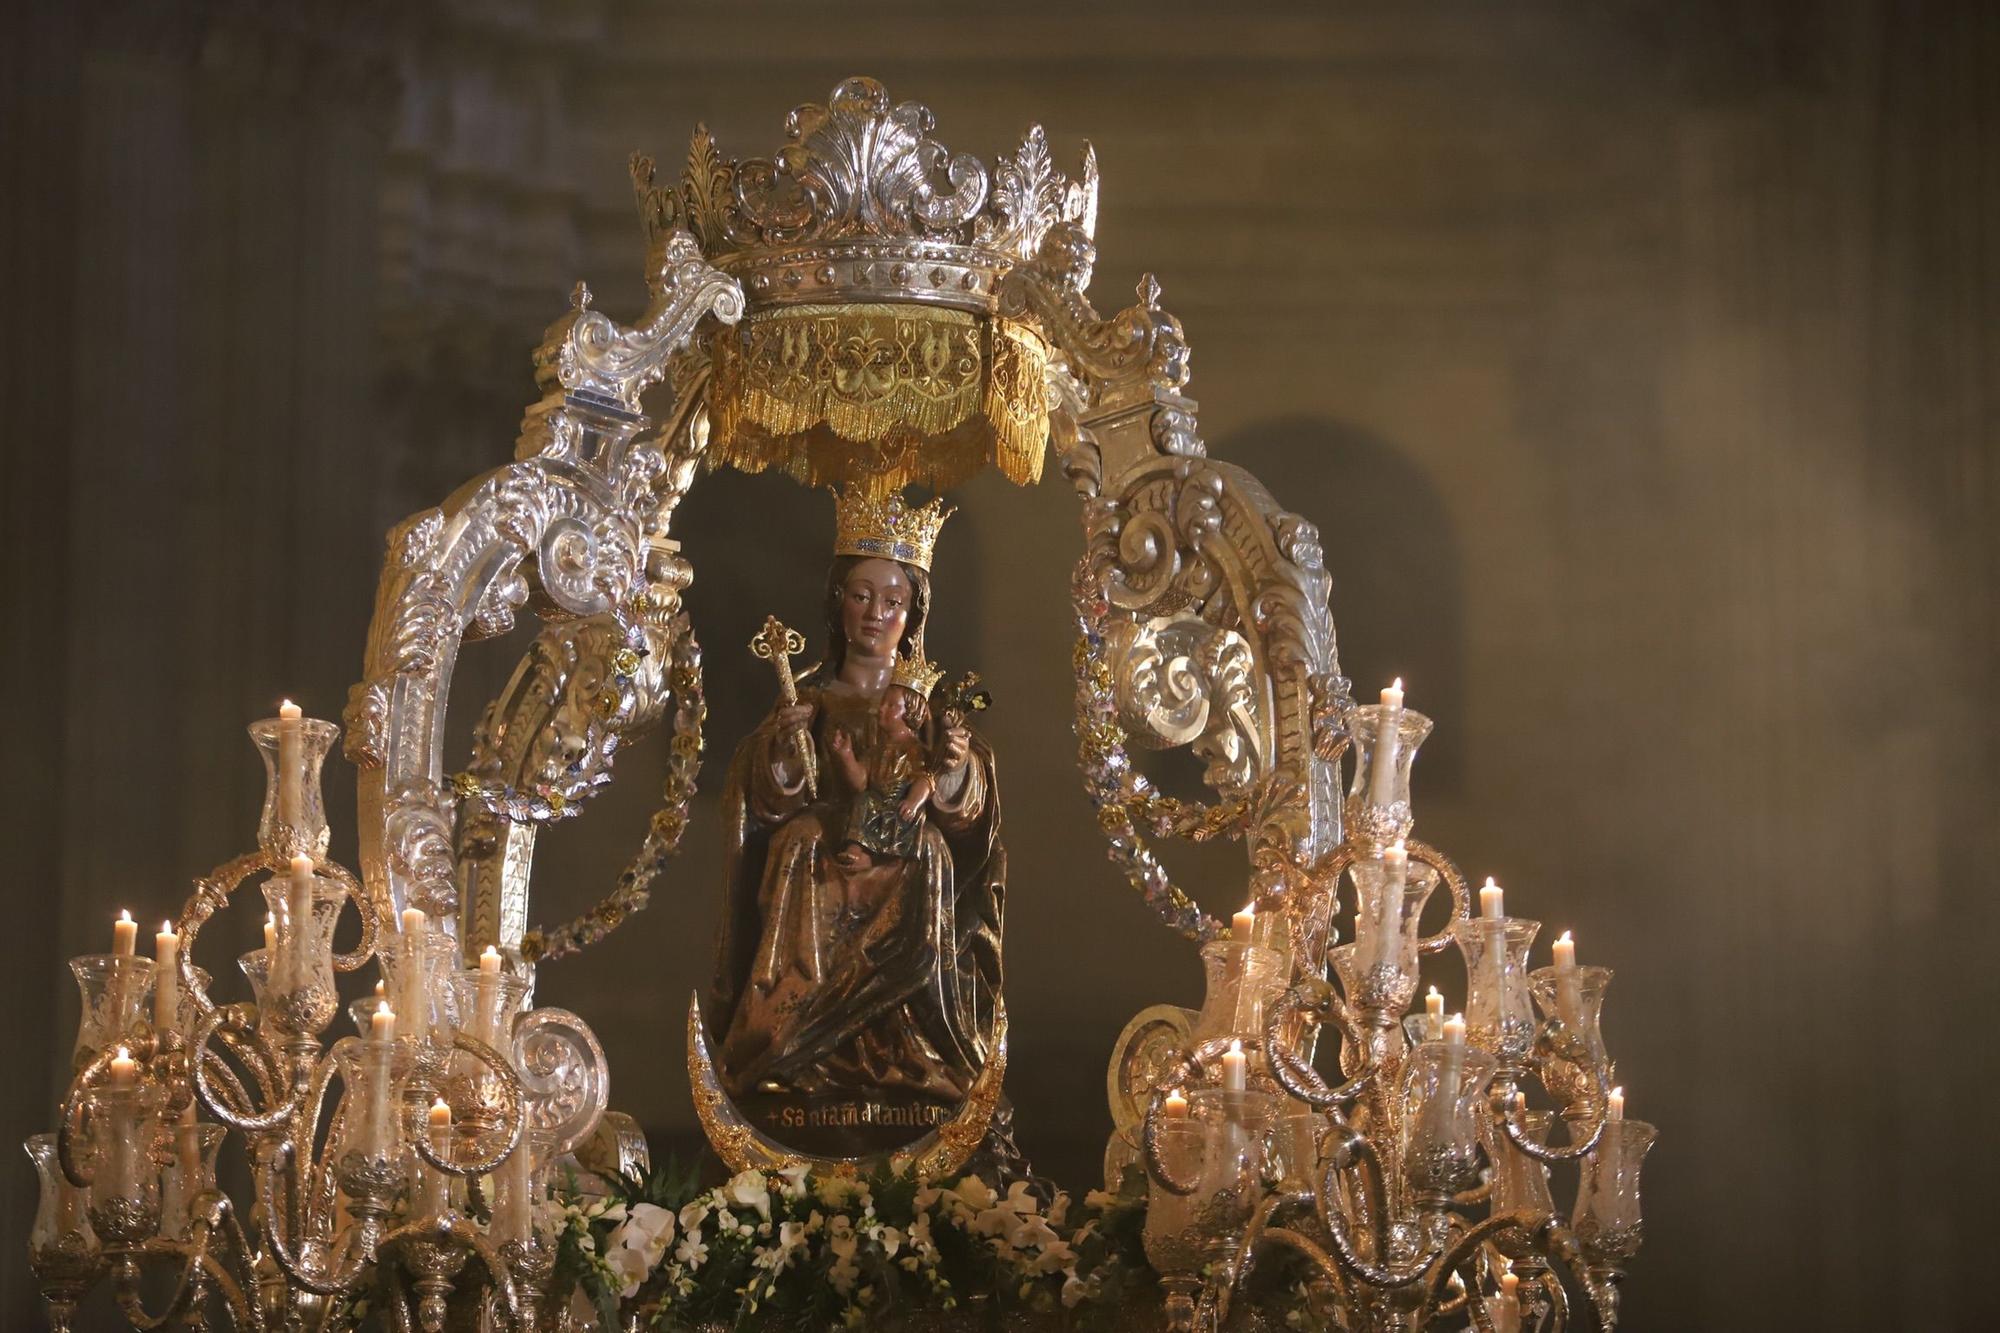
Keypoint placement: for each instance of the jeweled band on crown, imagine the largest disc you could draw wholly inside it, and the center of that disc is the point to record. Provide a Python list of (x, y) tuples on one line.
[(886, 526)]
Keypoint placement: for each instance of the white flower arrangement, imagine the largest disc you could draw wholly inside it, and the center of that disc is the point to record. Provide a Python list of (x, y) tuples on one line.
[(837, 1250)]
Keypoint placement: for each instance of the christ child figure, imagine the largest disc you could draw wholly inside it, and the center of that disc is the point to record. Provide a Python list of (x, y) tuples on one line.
[(893, 782)]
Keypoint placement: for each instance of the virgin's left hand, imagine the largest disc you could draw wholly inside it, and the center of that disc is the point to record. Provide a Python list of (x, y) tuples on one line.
[(957, 746)]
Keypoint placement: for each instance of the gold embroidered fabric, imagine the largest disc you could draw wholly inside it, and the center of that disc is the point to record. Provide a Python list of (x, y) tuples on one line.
[(879, 396)]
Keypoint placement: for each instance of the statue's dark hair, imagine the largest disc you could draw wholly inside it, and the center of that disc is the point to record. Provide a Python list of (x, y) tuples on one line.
[(836, 589)]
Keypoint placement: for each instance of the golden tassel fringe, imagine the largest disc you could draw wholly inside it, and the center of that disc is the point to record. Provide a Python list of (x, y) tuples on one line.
[(880, 396)]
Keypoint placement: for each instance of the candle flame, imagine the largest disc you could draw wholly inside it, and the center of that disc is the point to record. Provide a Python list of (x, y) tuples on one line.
[(1618, 1091), (124, 915), (1434, 991), (1398, 685), (382, 1007), (124, 1054), (1490, 884), (1235, 1047), (287, 707), (1564, 938), (166, 927)]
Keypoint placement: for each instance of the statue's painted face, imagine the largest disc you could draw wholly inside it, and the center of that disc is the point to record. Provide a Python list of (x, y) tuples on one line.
[(875, 607)]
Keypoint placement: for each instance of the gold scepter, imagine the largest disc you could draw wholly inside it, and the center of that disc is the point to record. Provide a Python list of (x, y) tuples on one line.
[(776, 644)]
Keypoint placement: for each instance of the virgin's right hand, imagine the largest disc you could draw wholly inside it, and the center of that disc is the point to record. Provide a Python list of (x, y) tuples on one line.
[(795, 717)]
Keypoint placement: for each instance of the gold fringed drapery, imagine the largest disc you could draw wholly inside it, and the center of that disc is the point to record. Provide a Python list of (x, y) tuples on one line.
[(879, 396)]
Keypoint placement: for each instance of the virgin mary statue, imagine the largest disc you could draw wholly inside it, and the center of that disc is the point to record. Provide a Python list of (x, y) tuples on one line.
[(859, 959)]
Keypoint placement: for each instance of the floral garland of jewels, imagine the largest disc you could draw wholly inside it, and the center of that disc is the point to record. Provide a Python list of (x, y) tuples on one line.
[(794, 1249), (634, 889), (1124, 799)]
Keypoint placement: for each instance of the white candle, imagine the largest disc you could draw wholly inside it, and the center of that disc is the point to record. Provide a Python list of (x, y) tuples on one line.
[(166, 979), (431, 1195), (1616, 1109), (489, 961), (1243, 923), (1176, 1106), (270, 939), (382, 1024), (124, 1069), (124, 935), (1433, 1015), (291, 763), (1509, 1295), (1388, 738), (416, 1009), (1235, 1068), (1567, 1005), (1395, 879), (1492, 900), (299, 911), (1454, 1030)]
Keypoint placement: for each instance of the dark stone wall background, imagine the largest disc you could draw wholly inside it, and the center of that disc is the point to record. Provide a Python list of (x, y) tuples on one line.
[(1635, 361)]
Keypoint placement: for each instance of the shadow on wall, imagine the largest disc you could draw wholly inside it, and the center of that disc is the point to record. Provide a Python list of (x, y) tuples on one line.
[(1398, 594)]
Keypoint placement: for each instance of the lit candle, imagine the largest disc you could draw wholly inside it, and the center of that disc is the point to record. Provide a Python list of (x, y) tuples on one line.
[(124, 935), (1235, 1068), (124, 1069), (291, 763), (166, 980), (1616, 1109), (1434, 1015), (1492, 900), (1388, 738), (1243, 923), (1176, 1106), (270, 936), (382, 1024), (1454, 1030), (489, 961), (431, 1191), (1566, 992), (414, 920), (1509, 1295)]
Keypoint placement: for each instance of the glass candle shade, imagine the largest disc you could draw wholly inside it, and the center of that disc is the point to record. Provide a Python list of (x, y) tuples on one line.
[(1574, 1040), (1607, 1221), (184, 1005), (1499, 1016), (370, 1122), (1379, 969), (256, 966), (125, 1184), (419, 969), (62, 1248), (1443, 1107), (1519, 1182), (188, 1177), (117, 991), (299, 996), (1243, 982), (513, 1189), (1378, 808), (1174, 1242), (487, 1004), (294, 819)]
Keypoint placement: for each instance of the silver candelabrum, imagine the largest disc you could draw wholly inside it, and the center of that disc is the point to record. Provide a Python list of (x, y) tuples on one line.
[(410, 1192), (1417, 1188)]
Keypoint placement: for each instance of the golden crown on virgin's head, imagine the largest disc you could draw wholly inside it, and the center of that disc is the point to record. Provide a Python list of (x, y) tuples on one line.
[(916, 673), (861, 205), (865, 523)]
